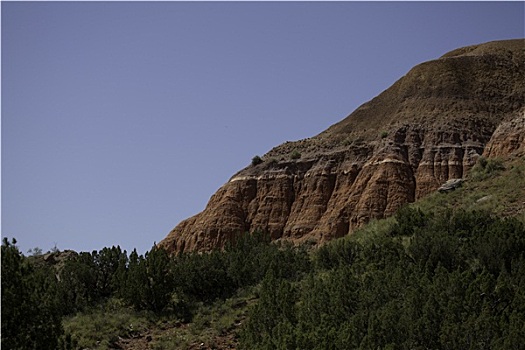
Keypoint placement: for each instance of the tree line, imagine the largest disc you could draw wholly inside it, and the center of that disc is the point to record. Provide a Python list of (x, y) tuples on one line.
[(36, 296)]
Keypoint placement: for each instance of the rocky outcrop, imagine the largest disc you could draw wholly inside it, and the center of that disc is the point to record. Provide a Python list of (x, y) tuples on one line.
[(450, 185), (429, 127), (508, 139)]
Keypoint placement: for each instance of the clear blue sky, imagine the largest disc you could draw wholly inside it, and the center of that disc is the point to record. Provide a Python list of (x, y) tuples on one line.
[(119, 120)]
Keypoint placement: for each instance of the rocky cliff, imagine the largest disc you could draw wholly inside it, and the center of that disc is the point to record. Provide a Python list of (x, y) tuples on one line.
[(428, 127)]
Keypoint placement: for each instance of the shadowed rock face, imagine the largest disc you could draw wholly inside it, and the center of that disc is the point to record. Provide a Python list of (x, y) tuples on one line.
[(428, 127)]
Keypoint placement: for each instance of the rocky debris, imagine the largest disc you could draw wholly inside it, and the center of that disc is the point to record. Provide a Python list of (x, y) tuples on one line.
[(484, 199), (427, 128), (56, 259), (450, 185)]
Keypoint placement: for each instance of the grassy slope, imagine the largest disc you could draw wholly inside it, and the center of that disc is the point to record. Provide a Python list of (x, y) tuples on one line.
[(499, 188), (115, 326)]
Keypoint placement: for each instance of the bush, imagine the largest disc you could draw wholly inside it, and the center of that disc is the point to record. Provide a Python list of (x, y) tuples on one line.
[(486, 168), (408, 220), (256, 160), (274, 314), (251, 256), (100, 327), (203, 277), (295, 155)]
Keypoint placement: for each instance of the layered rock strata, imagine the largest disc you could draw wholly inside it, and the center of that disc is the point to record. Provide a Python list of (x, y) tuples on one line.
[(428, 127)]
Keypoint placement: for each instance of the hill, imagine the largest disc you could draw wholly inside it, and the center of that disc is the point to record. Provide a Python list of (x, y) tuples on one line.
[(430, 126)]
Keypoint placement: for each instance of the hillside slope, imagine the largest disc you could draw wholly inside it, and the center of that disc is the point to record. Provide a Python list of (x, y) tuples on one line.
[(430, 126)]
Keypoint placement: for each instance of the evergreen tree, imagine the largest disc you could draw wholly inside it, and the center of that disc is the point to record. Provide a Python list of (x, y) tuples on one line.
[(272, 320), (149, 280), (30, 319), (77, 287), (160, 283)]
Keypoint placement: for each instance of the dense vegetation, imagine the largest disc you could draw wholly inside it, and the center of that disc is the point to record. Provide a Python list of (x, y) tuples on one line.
[(446, 282), (36, 296), (453, 280)]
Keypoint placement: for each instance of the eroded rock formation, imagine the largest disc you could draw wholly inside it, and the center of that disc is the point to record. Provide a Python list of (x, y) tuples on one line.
[(428, 127)]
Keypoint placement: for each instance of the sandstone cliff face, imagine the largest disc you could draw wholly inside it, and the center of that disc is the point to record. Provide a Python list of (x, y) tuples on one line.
[(430, 126)]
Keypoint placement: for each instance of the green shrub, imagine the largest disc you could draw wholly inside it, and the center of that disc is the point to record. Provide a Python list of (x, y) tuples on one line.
[(408, 220), (486, 168), (203, 277), (273, 314), (251, 256), (256, 160), (101, 326), (295, 155), (494, 165)]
